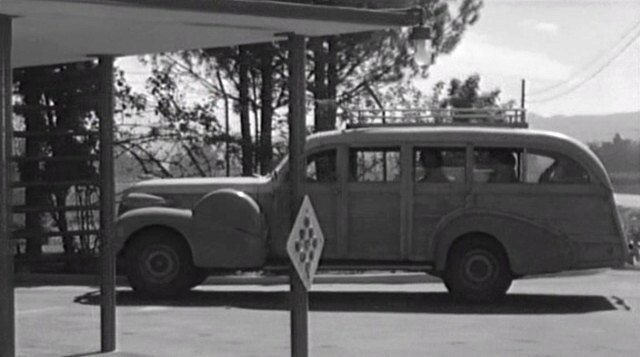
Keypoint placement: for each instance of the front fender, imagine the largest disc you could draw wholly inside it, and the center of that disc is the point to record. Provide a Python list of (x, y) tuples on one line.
[(229, 231), (132, 221), (531, 248)]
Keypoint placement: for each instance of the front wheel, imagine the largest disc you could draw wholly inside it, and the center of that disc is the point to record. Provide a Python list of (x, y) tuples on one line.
[(159, 263), (477, 270)]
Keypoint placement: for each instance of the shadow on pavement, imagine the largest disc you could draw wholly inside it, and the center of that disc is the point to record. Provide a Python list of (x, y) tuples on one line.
[(395, 302), (111, 354)]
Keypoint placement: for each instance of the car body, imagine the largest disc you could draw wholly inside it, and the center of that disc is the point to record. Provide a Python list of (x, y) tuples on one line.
[(507, 202)]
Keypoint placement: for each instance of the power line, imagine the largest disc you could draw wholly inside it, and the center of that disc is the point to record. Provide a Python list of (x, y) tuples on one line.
[(636, 27), (593, 75)]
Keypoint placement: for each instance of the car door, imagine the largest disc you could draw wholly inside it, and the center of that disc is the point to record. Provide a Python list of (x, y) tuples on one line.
[(374, 203), (323, 188), (440, 186)]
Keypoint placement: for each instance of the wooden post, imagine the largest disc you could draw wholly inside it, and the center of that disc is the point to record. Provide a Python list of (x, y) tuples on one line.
[(107, 208), (7, 303), (298, 296)]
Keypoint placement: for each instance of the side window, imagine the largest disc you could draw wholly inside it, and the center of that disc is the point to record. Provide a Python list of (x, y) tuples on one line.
[(321, 167), (497, 165), (554, 168), (439, 165), (375, 164)]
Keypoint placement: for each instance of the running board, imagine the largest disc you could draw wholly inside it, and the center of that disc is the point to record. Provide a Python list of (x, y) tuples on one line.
[(411, 267)]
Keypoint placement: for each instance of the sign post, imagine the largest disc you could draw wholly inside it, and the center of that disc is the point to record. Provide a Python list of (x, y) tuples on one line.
[(305, 243), (304, 247), (298, 297)]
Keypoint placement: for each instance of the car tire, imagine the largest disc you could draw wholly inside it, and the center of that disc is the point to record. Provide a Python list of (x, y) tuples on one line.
[(159, 263), (477, 270)]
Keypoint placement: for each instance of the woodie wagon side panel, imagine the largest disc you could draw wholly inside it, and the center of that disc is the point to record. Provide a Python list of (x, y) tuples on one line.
[(530, 247)]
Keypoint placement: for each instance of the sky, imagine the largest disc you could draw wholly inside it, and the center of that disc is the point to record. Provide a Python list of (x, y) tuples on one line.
[(577, 56)]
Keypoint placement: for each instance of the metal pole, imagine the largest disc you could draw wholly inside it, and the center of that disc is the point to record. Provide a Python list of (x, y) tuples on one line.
[(7, 303), (299, 297), (107, 208)]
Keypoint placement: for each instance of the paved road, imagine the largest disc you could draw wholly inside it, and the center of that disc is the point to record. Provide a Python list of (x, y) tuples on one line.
[(588, 315)]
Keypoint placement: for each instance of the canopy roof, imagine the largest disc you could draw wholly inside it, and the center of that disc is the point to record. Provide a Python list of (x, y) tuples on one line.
[(58, 31)]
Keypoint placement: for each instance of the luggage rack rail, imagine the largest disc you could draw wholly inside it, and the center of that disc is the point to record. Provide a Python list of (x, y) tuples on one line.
[(485, 117)]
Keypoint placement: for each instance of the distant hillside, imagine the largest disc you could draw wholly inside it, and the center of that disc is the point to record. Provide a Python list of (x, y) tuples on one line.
[(591, 128)]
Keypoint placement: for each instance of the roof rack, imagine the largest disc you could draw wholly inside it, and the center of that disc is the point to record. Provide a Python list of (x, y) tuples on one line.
[(490, 117)]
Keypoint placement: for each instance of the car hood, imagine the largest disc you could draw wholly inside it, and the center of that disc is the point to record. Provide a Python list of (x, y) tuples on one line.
[(200, 186)]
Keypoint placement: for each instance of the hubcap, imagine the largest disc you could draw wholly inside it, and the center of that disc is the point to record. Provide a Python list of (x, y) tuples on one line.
[(479, 268), (160, 264)]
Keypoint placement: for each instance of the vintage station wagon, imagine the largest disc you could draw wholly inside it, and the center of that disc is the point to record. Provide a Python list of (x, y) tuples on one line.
[(477, 206)]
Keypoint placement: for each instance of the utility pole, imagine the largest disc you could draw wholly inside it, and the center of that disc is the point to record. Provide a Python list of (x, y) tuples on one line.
[(522, 99)]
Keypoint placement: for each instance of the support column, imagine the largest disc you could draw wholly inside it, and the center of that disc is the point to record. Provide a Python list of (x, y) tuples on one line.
[(107, 208), (299, 297), (7, 304)]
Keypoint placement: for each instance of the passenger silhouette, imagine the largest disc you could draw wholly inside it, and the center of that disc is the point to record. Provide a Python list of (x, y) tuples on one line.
[(431, 161)]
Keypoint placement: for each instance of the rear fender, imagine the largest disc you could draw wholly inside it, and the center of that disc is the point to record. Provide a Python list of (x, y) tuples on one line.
[(531, 248)]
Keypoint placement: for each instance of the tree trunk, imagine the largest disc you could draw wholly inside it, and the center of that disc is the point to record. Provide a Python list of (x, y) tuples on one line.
[(245, 126), (332, 82), (227, 153), (325, 83), (319, 83), (266, 103)]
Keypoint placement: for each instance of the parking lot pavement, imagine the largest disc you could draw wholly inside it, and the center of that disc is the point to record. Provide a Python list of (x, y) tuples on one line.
[(587, 315)]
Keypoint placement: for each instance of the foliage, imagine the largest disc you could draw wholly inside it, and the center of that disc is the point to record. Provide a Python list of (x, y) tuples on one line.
[(631, 224), (619, 155), (466, 94), (58, 99), (178, 141), (375, 61), (343, 71)]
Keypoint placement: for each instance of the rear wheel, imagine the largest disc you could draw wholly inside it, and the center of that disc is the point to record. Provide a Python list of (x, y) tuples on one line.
[(477, 270), (159, 263)]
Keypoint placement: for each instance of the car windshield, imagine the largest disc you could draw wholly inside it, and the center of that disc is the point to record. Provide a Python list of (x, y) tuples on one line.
[(280, 168)]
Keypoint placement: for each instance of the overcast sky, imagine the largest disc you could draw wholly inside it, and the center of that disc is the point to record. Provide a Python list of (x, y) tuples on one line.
[(578, 56)]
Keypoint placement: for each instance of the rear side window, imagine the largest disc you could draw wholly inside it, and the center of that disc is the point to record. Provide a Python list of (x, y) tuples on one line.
[(439, 165), (375, 164), (497, 165), (554, 169)]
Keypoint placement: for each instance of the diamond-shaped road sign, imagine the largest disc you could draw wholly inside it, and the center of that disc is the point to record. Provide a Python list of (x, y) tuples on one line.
[(305, 243)]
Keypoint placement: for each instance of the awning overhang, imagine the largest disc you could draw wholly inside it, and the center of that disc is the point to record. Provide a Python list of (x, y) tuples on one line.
[(59, 31)]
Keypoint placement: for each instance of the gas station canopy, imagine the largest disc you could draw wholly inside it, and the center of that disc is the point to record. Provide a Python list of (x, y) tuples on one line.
[(59, 31)]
